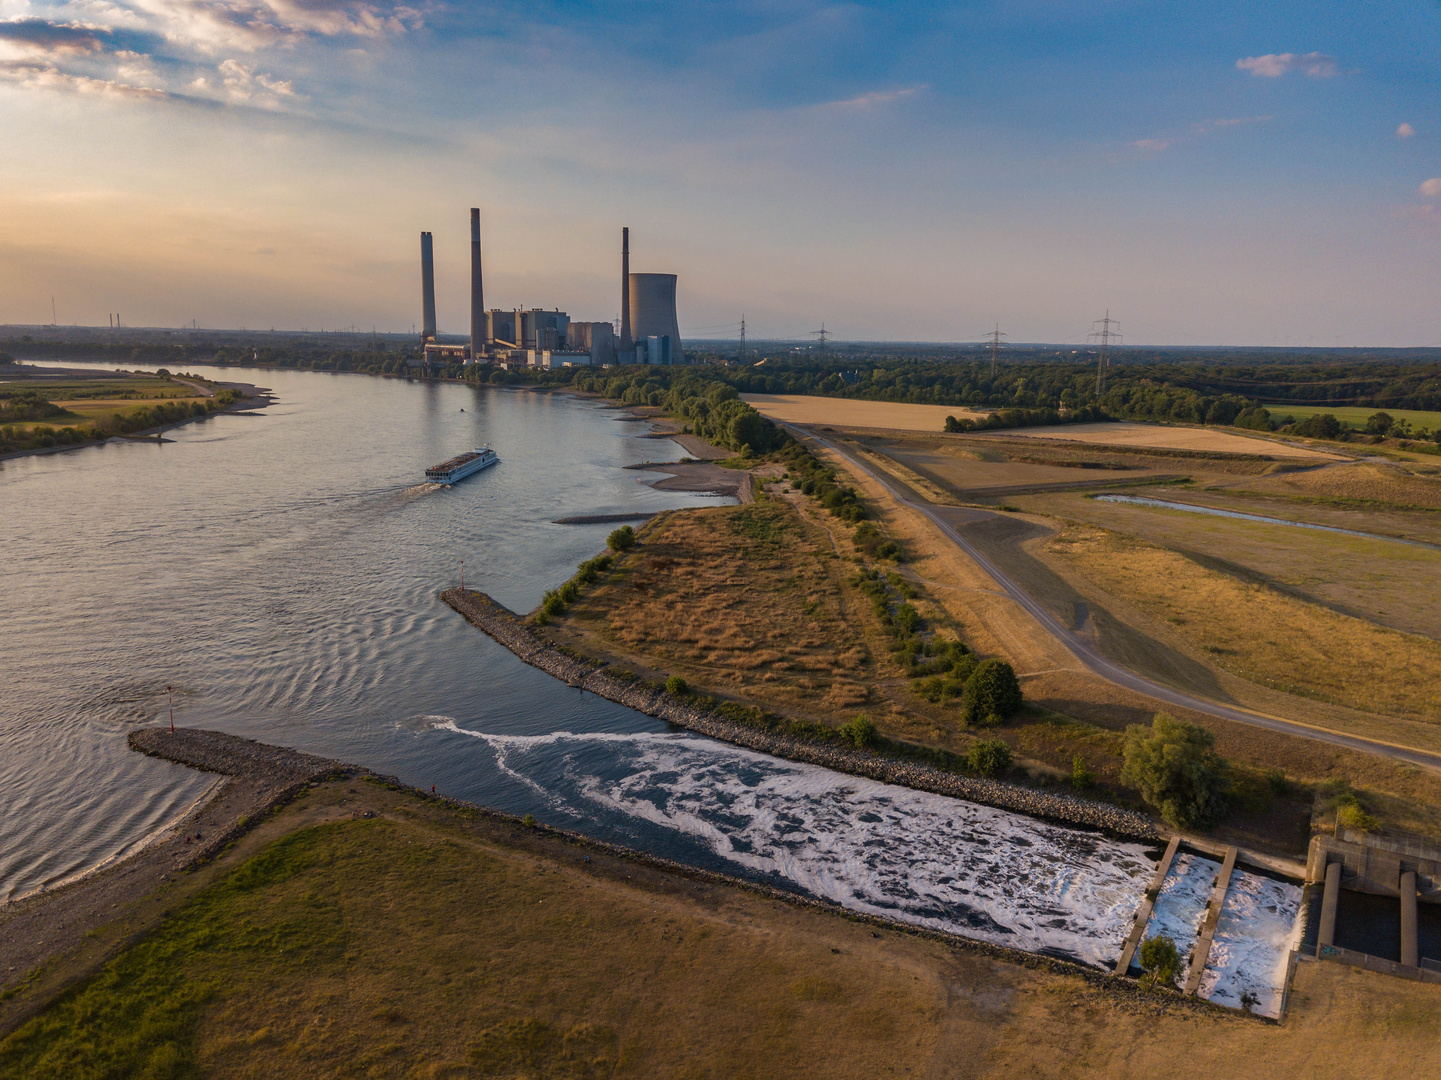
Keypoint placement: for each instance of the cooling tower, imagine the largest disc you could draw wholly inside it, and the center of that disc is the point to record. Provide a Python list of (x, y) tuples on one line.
[(625, 338), (652, 312), (477, 298), (427, 286)]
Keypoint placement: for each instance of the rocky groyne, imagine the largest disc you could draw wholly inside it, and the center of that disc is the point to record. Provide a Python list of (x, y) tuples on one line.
[(507, 628)]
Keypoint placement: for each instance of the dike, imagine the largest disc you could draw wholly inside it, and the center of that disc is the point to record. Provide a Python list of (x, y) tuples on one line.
[(511, 631)]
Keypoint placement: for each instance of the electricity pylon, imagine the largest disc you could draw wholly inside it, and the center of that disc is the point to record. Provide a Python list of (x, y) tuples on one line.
[(1105, 337)]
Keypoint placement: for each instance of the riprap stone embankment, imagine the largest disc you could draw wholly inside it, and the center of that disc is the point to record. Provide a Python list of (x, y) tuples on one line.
[(508, 629)]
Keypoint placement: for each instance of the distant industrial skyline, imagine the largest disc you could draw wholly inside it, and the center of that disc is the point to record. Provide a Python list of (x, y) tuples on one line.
[(1223, 176)]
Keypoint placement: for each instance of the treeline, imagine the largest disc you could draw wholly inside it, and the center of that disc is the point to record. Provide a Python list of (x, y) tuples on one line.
[(1214, 392), (707, 406)]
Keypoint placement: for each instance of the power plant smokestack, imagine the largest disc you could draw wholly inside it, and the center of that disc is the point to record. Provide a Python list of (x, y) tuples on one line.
[(427, 286), (625, 340), (477, 296)]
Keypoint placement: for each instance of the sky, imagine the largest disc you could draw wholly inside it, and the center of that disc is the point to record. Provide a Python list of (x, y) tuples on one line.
[(1225, 173)]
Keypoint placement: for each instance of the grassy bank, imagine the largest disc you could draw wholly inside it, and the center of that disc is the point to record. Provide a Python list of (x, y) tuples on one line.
[(429, 941)]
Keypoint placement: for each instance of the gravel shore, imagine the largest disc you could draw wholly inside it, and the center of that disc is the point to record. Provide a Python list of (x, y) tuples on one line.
[(508, 629)]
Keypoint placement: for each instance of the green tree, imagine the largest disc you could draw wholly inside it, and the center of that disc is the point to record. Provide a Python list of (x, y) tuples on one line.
[(676, 685), (1177, 770), (992, 690), (860, 732), (1160, 960), (622, 539), (1379, 423), (1081, 775), (989, 757)]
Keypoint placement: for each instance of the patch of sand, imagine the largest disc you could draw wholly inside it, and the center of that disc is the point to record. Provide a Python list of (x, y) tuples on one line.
[(1156, 436), (846, 412)]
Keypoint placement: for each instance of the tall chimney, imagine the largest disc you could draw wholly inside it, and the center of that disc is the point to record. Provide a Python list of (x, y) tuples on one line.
[(625, 341), (477, 296), (427, 286)]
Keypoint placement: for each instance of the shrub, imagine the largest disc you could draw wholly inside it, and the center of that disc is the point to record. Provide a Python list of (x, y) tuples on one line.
[(989, 757), (676, 685), (1379, 423), (1256, 419), (1322, 426), (1177, 770), (992, 690), (1081, 776), (529, 820), (623, 539), (1161, 960), (860, 732)]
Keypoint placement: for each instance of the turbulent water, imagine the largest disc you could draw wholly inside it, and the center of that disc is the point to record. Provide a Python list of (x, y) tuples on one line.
[(886, 850)]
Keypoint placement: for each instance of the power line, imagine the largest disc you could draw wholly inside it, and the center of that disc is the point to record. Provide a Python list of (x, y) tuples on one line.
[(1105, 337), (994, 337), (822, 334)]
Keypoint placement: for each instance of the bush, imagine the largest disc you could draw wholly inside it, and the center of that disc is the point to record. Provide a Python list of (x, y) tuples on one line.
[(623, 539), (1161, 960), (1256, 419), (1323, 426), (1351, 816), (676, 685), (989, 757), (1177, 770), (1379, 424), (860, 732), (1081, 776), (992, 690)]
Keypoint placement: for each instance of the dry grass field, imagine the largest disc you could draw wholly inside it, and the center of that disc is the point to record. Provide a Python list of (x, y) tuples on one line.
[(1363, 483), (746, 600), (850, 413), (1260, 633), (427, 942), (1143, 436)]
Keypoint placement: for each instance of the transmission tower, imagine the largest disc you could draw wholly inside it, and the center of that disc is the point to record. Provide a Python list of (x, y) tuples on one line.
[(1105, 337), (743, 338), (994, 337), (822, 334)]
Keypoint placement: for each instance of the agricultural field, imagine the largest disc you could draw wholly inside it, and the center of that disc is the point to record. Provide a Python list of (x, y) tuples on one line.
[(849, 413), (1164, 437), (1356, 416), (520, 954)]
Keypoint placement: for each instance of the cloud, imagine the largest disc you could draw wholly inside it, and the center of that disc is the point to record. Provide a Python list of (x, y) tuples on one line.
[(1431, 188), (1405, 131), (49, 77), (874, 99), (1273, 65), (42, 35), (1154, 146), (212, 25), (243, 83)]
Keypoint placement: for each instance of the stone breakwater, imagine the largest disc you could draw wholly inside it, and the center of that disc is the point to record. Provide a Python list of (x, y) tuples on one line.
[(509, 630)]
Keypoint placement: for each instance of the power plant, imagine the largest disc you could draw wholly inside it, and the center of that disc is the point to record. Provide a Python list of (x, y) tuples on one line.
[(536, 337)]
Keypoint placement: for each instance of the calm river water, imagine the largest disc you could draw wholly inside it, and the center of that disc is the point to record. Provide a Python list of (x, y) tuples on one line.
[(280, 570)]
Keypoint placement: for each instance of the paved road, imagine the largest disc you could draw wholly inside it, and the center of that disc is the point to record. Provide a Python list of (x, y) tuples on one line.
[(1098, 663)]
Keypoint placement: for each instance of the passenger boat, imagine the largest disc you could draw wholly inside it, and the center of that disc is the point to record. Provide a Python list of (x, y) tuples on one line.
[(461, 466)]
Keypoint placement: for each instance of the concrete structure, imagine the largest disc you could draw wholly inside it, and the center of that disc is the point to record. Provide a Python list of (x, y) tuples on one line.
[(1408, 869), (477, 293), (1143, 913), (653, 317), (595, 338), (427, 288), (1202, 952), (625, 338)]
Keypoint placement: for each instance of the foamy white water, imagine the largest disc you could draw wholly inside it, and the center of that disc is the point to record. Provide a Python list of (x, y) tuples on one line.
[(926, 859), (1258, 928)]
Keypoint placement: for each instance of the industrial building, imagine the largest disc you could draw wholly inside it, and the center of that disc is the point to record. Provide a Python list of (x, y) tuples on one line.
[(536, 337)]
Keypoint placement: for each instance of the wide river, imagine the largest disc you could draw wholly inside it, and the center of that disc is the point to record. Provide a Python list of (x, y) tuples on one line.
[(280, 572)]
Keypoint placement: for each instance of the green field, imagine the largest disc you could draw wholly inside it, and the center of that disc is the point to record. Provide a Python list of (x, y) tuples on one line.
[(1357, 416)]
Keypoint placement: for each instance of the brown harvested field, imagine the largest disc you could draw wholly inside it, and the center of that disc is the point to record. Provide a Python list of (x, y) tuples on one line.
[(741, 600), (850, 413), (1260, 633), (1142, 436), (430, 942)]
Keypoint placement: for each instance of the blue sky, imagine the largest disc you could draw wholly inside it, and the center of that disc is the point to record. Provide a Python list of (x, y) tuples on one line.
[(1211, 174)]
